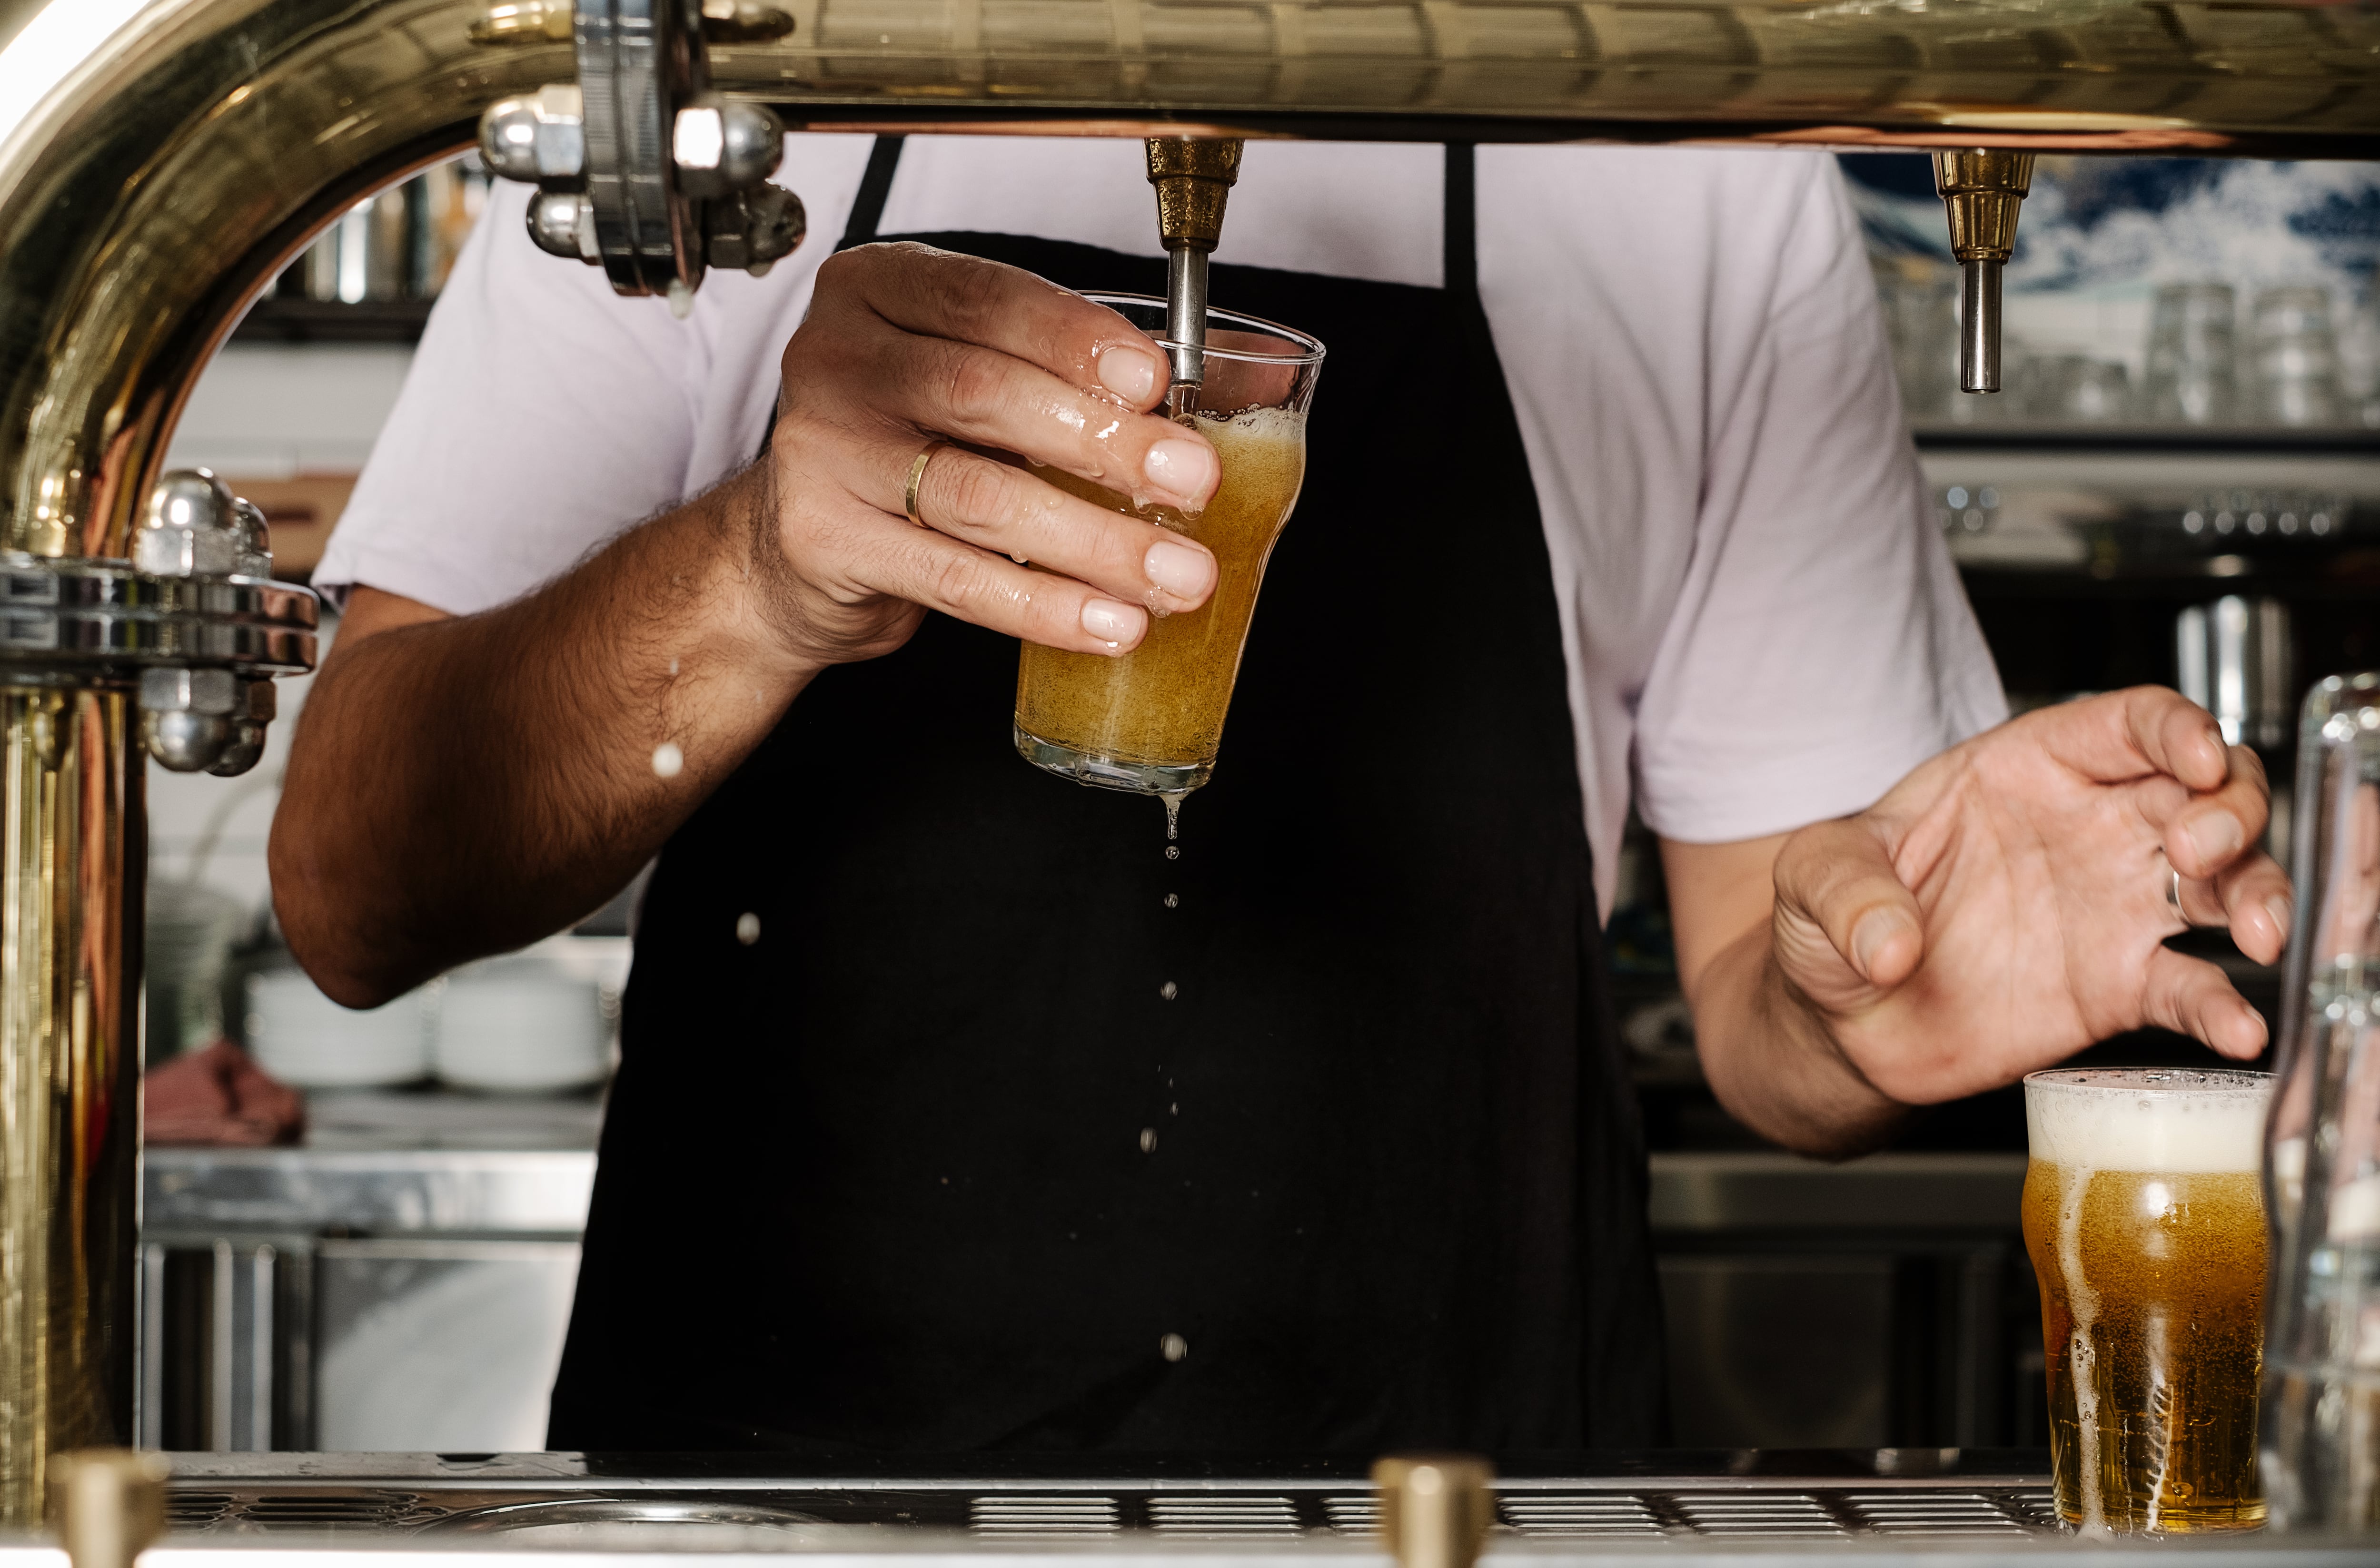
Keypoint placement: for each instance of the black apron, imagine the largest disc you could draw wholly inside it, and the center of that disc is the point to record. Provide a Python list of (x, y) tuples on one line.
[(984, 1145)]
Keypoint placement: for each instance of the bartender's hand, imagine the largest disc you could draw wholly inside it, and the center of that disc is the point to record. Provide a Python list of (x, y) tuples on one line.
[(2003, 907), (906, 345), (635, 683)]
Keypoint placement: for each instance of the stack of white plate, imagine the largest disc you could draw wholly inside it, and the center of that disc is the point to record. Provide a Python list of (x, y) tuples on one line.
[(304, 1039), (521, 1025)]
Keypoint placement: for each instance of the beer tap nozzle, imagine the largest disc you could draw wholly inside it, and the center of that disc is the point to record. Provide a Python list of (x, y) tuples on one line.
[(1982, 190), (1193, 178)]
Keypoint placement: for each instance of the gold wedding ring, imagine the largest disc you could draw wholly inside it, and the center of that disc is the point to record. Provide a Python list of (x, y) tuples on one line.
[(917, 478)]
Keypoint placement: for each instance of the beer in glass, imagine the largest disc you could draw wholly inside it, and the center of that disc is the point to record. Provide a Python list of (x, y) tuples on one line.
[(2144, 1217), (1152, 720)]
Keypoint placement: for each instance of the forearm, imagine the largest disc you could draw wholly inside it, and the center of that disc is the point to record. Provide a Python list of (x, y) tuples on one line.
[(1771, 1060), (466, 786)]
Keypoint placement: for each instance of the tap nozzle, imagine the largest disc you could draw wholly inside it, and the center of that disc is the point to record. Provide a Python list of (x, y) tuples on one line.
[(1193, 178), (1435, 1507), (1982, 190)]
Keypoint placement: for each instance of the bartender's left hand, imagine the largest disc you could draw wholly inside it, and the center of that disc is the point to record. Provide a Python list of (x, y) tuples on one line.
[(2006, 905)]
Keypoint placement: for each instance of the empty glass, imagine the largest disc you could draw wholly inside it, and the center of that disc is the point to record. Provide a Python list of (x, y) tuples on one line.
[(2193, 359), (2297, 358), (2074, 389), (2321, 1422)]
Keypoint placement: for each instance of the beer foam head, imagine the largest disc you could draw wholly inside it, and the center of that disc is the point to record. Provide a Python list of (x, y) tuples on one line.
[(1255, 425), (2147, 1119)]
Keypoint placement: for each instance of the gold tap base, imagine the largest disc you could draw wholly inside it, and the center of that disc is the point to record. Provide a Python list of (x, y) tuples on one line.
[(1982, 190), (1435, 1507), (1194, 176), (109, 1504), (71, 875)]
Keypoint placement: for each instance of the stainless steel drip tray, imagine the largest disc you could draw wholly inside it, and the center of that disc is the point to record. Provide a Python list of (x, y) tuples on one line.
[(1879, 1505)]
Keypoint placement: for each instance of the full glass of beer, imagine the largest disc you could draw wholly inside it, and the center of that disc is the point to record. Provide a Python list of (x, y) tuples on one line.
[(1152, 720), (2144, 1217)]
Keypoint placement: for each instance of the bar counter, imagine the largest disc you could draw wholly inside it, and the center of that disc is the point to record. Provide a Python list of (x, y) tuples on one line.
[(1886, 1506)]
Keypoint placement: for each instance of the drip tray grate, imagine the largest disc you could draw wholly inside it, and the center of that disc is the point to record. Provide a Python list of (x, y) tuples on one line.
[(1581, 1513)]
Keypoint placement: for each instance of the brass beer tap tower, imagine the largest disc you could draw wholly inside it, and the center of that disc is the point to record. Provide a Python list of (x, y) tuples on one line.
[(154, 180)]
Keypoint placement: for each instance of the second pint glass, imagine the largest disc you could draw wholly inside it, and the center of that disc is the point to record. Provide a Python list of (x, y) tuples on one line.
[(1152, 720), (2144, 1218)]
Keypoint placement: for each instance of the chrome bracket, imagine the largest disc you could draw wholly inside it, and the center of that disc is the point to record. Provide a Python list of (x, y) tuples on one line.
[(640, 168), (194, 623)]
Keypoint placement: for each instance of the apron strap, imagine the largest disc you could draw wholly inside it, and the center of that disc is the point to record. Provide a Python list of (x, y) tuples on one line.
[(1462, 222), (868, 207)]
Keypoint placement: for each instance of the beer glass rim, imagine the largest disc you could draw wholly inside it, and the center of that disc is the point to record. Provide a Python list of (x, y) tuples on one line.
[(1312, 352), (2151, 1080)]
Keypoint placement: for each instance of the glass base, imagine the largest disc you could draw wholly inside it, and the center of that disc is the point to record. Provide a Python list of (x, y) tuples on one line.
[(1111, 773)]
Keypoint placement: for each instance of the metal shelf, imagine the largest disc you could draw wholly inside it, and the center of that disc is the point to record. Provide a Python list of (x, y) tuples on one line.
[(2195, 439)]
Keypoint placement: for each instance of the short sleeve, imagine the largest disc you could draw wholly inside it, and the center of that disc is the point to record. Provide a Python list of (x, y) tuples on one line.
[(1822, 645), (541, 414)]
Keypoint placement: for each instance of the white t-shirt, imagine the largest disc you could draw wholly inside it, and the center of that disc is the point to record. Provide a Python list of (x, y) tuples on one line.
[(1761, 623)]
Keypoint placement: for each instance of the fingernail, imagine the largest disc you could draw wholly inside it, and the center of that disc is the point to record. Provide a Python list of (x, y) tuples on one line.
[(1113, 624), (1182, 469), (2283, 910), (1129, 372), (2215, 836), (1184, 572), (1869, 936)]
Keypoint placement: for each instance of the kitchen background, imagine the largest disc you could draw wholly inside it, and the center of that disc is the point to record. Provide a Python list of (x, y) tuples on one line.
[(2181, 485)]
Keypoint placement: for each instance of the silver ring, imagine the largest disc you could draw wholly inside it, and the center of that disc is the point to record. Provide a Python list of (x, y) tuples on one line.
[(2173, 893), (917, 478)]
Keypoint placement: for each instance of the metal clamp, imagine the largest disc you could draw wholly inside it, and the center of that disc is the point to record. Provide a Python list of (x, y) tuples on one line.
[(640, 168), (194, 623)]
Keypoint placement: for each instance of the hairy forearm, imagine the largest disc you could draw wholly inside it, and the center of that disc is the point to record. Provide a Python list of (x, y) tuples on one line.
[(466, 786), (1771, 1061)]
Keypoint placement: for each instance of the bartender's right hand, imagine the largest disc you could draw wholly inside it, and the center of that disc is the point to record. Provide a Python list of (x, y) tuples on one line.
[(905, 345)]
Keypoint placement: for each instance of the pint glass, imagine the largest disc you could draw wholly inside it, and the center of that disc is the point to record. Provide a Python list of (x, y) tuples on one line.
[(1152, 720), (2144, 1217), (2322, 1402)]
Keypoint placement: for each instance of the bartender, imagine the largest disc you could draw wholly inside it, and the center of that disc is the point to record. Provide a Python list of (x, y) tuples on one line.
[(954, 1113)]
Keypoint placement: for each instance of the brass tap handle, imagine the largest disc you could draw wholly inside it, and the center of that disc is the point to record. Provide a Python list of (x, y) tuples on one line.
[(1193, 178), (1982, 191), (108, 1504), (1435, 1507)]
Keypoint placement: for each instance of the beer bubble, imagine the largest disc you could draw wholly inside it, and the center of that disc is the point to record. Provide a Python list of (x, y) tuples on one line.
[(1169, 991), (1147, 1139), (668, 761), (672, 668), (1173, 901), (1173, 1347), (748, 928)]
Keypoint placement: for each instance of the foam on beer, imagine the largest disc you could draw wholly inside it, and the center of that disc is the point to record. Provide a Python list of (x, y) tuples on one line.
[(2133, 1121)]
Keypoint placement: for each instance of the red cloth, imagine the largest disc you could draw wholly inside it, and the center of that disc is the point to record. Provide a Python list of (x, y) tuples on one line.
[(218, 1096)]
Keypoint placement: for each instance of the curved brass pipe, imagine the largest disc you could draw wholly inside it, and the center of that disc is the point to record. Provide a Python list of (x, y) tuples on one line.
[(200, 147)]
